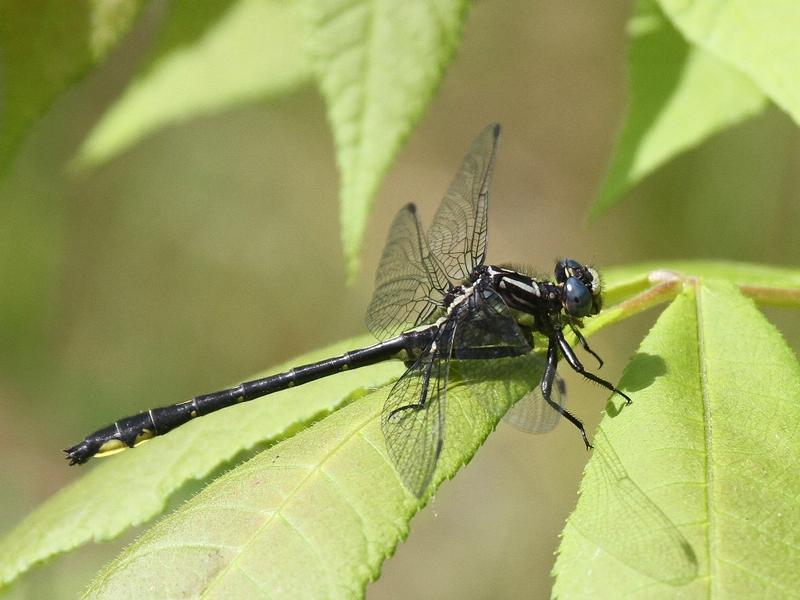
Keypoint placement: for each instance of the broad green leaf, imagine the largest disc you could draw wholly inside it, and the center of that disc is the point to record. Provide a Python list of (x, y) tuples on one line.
[(44, 47), (251, 51), (679, 95), (757, 38), (111, 497), (378, 63), (312, 517), (713, 439)]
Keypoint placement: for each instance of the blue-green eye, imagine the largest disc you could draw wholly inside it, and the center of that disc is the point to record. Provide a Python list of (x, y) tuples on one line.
[(577, 298)]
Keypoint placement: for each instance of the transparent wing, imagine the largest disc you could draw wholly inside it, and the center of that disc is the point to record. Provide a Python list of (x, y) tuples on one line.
[(531, 413), (621, 519), (487, 329), (457, 237), (407, 286), (413, 416)]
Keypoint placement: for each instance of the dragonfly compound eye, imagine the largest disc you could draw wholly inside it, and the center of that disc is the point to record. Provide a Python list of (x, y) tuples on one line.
[(577, 298)]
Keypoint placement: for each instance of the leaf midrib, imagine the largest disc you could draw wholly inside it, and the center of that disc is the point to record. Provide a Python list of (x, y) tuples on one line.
[(701, 363)]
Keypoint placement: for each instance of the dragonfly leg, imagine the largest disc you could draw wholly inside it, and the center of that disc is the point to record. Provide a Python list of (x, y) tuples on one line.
[(585, 344), (576, 365), (423, 395), (547, 389), (399, 409)]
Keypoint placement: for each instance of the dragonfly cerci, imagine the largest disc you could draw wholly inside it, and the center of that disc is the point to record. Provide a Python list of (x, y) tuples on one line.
[(435, 301)]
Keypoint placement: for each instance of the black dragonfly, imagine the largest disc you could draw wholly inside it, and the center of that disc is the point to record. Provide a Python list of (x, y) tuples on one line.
[(435, 301)]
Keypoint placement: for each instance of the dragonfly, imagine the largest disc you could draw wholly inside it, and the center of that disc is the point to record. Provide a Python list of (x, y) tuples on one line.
[(435, 301)]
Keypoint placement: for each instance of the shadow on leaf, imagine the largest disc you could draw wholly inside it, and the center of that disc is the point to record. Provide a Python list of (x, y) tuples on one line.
[(640, 373)]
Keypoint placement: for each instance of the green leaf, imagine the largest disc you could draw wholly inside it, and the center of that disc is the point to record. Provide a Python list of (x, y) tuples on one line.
[(679, 95), (378, 64), (252, 51), (757, 38), (314, 516), (45, 46), (110, 498), (712, 438)]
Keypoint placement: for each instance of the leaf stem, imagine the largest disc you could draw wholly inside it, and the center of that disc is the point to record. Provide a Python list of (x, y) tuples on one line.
[(772, 296), (665, 285)]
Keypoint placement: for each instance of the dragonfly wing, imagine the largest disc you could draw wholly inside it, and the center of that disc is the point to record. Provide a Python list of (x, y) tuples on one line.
[(531, 413), (407, 285), (487, 329), (624, 521), (414, 413), (457, 236)]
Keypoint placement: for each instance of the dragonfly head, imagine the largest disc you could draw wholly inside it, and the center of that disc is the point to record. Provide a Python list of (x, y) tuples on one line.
[(580, 288)]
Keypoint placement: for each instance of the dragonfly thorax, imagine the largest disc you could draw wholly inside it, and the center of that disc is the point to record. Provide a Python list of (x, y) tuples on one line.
[(458, 294), (526, 294)]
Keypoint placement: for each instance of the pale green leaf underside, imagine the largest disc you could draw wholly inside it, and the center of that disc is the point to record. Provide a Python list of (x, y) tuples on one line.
[(759, 39), (43, 49), (378, 63), (712, 438), (125, 490), (312, 517), (253, 51), (679, 95)]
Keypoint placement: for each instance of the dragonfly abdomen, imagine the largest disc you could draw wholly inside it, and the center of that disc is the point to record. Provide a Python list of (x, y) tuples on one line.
[(134, 430)]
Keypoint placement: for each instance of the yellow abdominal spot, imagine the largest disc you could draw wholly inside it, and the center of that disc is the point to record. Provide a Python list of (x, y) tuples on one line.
[(143, 437), (111, 447)]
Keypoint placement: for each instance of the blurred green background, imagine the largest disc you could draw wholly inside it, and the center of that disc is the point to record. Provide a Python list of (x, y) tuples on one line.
[(211, 250)]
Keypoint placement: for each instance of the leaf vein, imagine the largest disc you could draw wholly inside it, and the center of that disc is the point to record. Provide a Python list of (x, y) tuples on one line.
[(757, 575), (256, 584), (306, 541), (348, 502)]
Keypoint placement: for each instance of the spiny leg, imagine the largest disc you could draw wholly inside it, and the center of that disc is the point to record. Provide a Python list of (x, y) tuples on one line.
[(585, 344), (547, 388), (421, 403), (576, 365)]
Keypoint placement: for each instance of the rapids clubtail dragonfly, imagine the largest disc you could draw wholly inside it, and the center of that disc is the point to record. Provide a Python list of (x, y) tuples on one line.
[(435, 301)]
